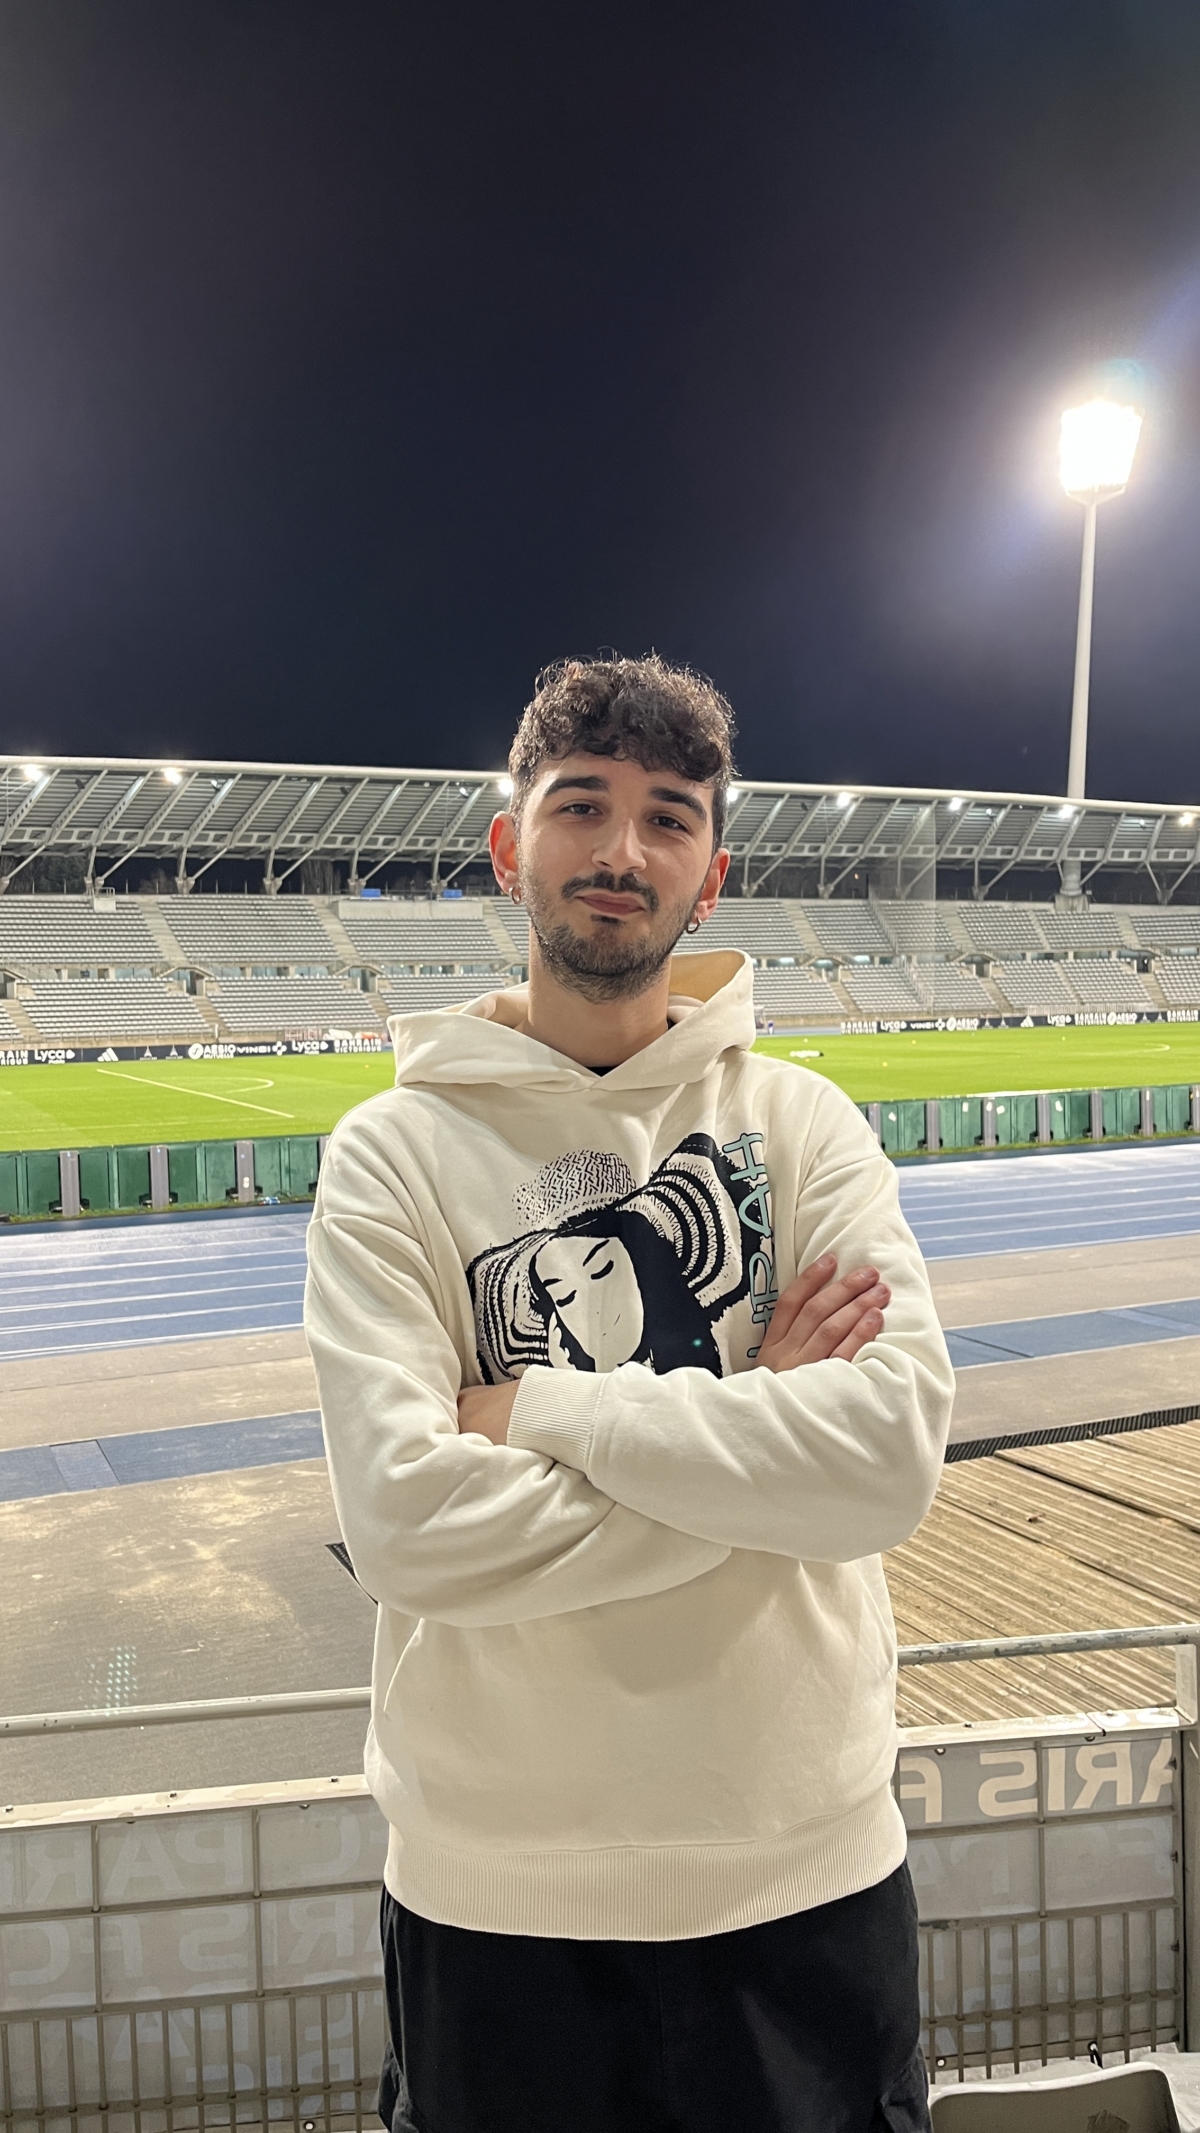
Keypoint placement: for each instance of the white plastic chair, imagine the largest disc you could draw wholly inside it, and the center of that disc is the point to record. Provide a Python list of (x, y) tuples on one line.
[(1129, 2099)]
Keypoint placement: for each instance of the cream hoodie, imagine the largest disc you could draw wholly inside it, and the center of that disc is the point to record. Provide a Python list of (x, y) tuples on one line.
[(634, 1670)]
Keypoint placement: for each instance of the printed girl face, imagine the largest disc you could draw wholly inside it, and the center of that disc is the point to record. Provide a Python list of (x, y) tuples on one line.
[(594, 1292)]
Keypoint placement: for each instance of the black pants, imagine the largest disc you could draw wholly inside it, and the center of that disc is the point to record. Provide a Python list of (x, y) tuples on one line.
[(807, 2024)]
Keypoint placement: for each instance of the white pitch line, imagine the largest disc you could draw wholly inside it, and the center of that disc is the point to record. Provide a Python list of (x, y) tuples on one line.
[(144, 1081)]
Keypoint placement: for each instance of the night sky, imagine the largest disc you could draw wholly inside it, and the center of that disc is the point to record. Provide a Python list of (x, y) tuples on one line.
[(356, 359)]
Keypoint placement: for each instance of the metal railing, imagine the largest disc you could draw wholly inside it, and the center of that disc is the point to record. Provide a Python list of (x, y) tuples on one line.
[(213, 1962)]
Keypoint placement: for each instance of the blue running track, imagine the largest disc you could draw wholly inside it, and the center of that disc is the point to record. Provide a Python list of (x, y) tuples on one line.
[(63, 1291), (66, 1291)]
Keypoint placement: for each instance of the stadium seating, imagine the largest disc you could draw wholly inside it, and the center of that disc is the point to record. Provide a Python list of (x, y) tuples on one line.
[(66, 932), (919, 928), (849, 927), (11, 1032), (1102, 982), (402, 934), (794, 996), (1165, 931), (82, 1012), (1179, 979), (1075, 930), (416, 995), (951, 990), (756, 928), (246, 930), (882, 991), (1001, 930), (265, 1007), (1035, 988)]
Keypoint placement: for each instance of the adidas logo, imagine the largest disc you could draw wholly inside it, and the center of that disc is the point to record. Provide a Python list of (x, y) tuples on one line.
[(105, 1057)]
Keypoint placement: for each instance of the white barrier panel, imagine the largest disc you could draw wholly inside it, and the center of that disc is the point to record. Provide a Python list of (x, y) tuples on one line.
[(1047, 1865), (191, 1960), (208, 1959)]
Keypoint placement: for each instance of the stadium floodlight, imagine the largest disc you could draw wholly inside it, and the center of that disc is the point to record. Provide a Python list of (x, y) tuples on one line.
[(32, 771), (172, 776), (732, 793), (956, 807), (844, 799), (1186, 821), (1096, 447), (505, 786), (1095, 459)]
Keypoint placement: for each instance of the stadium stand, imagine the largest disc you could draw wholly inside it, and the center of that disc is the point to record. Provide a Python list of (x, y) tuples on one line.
[(248, 930), (919, 928), (1077, 930), (1179, 979), (11, 1032), (950, 990), (66, 933), (1035, 988), (847, 928), (758, 928), (882, 991), (399, 934), (83, 1012), (1100, 981), (1165, 930), (261, 1007), (417, 995), (1001, 930), (795, 995)]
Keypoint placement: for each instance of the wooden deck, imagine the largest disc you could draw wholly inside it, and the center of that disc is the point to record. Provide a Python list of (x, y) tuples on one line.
[(1103, 1535)]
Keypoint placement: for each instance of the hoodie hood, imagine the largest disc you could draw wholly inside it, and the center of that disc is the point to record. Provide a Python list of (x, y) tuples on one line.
[(710, 1010)]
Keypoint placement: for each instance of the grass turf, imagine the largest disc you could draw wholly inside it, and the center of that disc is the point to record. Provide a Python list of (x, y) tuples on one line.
[(84, 1106), (983, 1062)]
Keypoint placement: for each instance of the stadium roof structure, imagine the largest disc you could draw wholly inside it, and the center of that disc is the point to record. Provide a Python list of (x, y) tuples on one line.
[(191, 816)]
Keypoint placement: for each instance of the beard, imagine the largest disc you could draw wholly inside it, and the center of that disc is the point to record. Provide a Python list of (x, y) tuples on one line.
[(600, 964)]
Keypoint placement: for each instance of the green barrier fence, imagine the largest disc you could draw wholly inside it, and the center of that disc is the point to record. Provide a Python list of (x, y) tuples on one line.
[(1029, 1118), (45, 1181)]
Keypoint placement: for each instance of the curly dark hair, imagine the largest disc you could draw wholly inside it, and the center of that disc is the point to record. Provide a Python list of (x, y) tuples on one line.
[(641, 710)]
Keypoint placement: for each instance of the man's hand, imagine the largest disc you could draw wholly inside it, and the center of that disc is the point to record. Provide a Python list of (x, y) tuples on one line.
[(819, 1316), (816, 1317), (483, 1410)]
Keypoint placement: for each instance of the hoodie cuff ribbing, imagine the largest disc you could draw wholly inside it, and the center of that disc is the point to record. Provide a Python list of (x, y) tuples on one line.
[(554, 1413)]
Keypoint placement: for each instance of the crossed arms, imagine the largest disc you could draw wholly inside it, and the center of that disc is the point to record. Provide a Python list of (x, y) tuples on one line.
[(603, 1487)]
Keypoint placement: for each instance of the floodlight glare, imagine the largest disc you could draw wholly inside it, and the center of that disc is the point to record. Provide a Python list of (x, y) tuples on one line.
[(845, 799), (505, 786), (1096, 448), (32, 771), (732, 793), (955, 807), (1186, 821), (172, 776)]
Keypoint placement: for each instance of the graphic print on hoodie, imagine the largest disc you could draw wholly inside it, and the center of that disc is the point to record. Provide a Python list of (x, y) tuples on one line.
[(612, 1272)]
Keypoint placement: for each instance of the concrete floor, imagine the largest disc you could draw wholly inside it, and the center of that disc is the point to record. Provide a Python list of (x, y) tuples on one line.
[(218, 1585)]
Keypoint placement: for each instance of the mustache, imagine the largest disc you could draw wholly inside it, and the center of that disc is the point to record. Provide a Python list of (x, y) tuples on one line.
[(628, 885)]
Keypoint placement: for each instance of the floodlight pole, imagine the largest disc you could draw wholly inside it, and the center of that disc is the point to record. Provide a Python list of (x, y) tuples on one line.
[(1077, 759)]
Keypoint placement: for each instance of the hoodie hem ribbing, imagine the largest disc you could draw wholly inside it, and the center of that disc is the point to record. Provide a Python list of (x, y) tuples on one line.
[(648, 1892)]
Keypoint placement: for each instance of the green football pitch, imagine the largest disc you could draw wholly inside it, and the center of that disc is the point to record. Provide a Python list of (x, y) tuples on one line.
[(218, 1099)]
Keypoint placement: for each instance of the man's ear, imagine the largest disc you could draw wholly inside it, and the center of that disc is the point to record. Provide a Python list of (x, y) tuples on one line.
[(714, 881), (502, 844)]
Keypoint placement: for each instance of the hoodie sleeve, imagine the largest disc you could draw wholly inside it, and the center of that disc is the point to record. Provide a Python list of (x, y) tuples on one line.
[(438, 1523), (827, 1462)]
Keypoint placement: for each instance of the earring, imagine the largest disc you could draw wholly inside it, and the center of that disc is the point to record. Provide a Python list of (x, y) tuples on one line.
[(516, 895), (692, 926)]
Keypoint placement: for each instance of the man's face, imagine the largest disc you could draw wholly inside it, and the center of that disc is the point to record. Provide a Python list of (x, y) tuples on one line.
[(613, 861)]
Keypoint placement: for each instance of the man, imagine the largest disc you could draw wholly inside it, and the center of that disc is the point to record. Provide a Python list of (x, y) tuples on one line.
[(617, 1429)]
